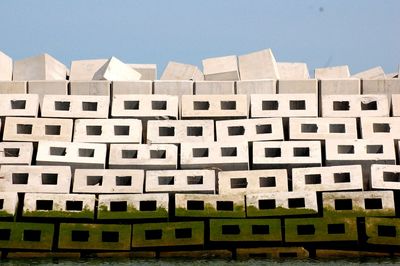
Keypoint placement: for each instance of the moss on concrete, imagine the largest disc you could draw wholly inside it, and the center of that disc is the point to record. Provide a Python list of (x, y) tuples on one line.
[(131, 213), (210, 211), (279, 211), (371, 226), (84, 214), (357, 212)]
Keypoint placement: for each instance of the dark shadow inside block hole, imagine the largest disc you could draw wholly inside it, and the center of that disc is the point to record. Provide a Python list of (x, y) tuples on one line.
[(118, 206), (110, 236)]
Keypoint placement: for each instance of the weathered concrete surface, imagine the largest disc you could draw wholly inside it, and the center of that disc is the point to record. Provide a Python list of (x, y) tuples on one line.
[(296, 71), (179, 71), (258, 65), (221, 68)]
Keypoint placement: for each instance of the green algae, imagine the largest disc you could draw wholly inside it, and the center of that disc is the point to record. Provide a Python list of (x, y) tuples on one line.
[(131, 213), (5, 214), (84, 214), (279, 211), (209, 211), (372, 225), (357, 212)]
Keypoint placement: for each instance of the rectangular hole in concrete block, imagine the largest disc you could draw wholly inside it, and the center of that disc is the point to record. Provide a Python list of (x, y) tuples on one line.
[(312, 179), (269, 105), (79, 236), (1, 204), (86, 152), (166, 131), (20, 178), (200, 152), (381, 127), (341, 177), (309, 128), (229, 229), (257, 229), (268, 181), (49, 178), (53, 130), (369, 106), (373, 204), (224, 205), (287, 255), (118, 206), (5, 234), (194, 180), (131, 105), (296, 203), (345, 149), (228, 151), (272, 152), (24, 129), (334, 229), (391, 177), (194, 131), (121, 130), (228, 105), (343, 204), (44, 205), (374, 149), (158, 154), (94, 180), (297, 105), (94, 130), (89, 106), (129, 154), (305, 229), (301, 152), (11, 152), (74, 205), (62, 106), (236, 131), (387, 230), (195, 205), (166, 180), (147, 205), (341, 106), (154, 234), (123, 180), (264, 255), (110, 236), (58, 151), (201, 105), (183, 233), (239, 182), (32, 235), (337, 128), (159, 105), (267, 204), (264, 129), (18, 104)]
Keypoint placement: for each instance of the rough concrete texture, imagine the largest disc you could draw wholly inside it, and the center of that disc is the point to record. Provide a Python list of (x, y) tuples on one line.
[(148, 71), (22, 105), (383, 231), (248, 87), (396, 105), (380, 127), (372, 73), (173, 87), (14, 153), (114, 69), (85, 70), (336, 72), (179, 71), (258, 65), (297, 86), (9, 204), (385, 176), (13, 87), (340, 86), (95, 87), (132, 87), (381, 86), (214, 87), (296, 71), (274, 253), (221, 68), (6, 67)]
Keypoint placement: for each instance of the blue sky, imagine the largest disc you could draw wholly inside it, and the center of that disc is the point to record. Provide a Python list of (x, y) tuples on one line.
[(361, 34)]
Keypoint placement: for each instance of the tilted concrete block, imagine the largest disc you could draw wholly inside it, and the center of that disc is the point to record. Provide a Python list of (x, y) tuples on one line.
[(148, 71), (16, 153), (298, 86), (372, 73), (385, 176), (143, 156), (178, 131), (380, 127), (105, 181), (40, 67), (9, 204), (114, 69), (284, 105), (13, 87), (75, 106), (288, 70), (318, 128), (354, 105), (19, 105), (46, 87), (335, 72), (37, 129), (85, 69), (202, 181), (250, 129), (132, 87), (6, 67), (258, 65), (274, 253), (214, 106), (36, 179), (94, 87), (74, 154), (340, 86), (327, 178), (179, 71), (396, 105), (108, 130), (221, 155), (214, 87), (254, 181), (221, 68), (382, 231)]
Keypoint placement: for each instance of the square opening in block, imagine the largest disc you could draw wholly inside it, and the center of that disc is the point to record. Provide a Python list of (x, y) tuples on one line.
[(387, 230), (341, 177), (5, 234), (183, 233), (345, 149), (195, 205), (381, 127), (372, 105), (334, 229), (118, 206), (194, 131), (343, 204), (294, 203), (272, 152), (201, 105), (154, 234), (121, 130), (312, 179), (52, 130), (44, 205), (224, 205), (166, 131), (49, 178), (62, 106), (228, 151), (305, 229), (131, 105), (264, 129), (94, 130), (194, 180), (58, 151), (236, 131), (129, 154), (20, 178), (341, 106), (24, 129), (297, 105), (228, 229), (166, 180), (94, 180), (337, 128), (85, 152), (123, 180), (18, 104), (239, 182), (268, 181), (74, 205), (158, 154), (301, 152), (79, 236), (374, 149), (309, 128), (159, 105), (391, 176), (147, 205), (266, 204), (32, 235), (260, 229), (11, 152), (269, 105), (373, 204), (89, 106), (200, 152), (228, 105), (110, 236)]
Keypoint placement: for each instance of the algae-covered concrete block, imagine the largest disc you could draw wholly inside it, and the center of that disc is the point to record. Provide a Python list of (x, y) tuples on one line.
[(132, 87), (214, 87), (19, 105), (297, 86), (85, 70), (94, 87), (16, 153), (179, 71), (6, 67), (9, 204), (335, 72), (296, 71), (13, 87), (198, 254), (148, 71), (383, 231), (274, 253), (258, 65), (221, 68), (114, 69), (385, 176), (340, 254)]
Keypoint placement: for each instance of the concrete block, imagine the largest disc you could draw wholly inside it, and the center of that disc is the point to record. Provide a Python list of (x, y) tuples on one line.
[(337, 254), (385, 176), (126, 254), (85, 69), (37, 129), (145, 106), (75, 106), (380, 127), (45, 205), (274, 253), (148, 71), (218, 206), (335, 72), (16, 153), (396, 105), (173, 87), (40, 67), (108, 130), (298, 86), (247, 230), (295, 71), (354, 105), (33, 236), (359, 203), (74, 154), (284, 105), (340, 86), (214, 106), (167, 234), (258, 65), (36, 179), (178, 131), (9, 204), (327, 229), (286, 154), (204, 254), (372, 73), (41, 254), (6, 67), (13, 87), (381, 86), (248, 87), (328, 178), (179, 71), (132, 87), (133, 206), (202, 181), (383, 231), (220, 155), (221, 68), (19, 105), (214, 87), (76, 236), (114, 69), (105, 181), (94, 87), (46, 87), (322, 128), (250, 129), (281, 204), (143, 156)]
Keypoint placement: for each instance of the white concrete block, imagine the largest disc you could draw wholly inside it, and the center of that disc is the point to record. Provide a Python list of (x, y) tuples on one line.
[(74, 154), (221, 155), (248, 87), (385, 176), (132, 87), (396, 105), (179, 71), (173, 87), (250, 129), (296, 71), (16, 153), (380, 127), (143, 156), (85, 69), (284, 105), (148, 71), (372, 73), (328, 178), (6, 67), (180, 181), (108, 130), (298, 86), (9, 204), (13, 87), (335, 72), (258, 65), (221, 68), (114, 69), (381, 86), (36, 179), (75, 106), (177, 131), (19, 105), (340, 86), (44, 87), (254, 181), (94, 87), (214, 87), (105, 181)]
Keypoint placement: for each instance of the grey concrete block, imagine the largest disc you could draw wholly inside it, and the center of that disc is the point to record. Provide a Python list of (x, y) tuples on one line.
[(26, 105), (214, 87), (221, 68), (298, 86), (148, 71), (179, 71), (94, 87), (13, 87), (296, 71), (258, 65), (132, 87), (340, 86), (385, 176), (335, 72)]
